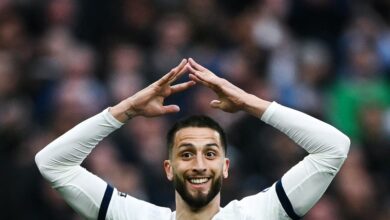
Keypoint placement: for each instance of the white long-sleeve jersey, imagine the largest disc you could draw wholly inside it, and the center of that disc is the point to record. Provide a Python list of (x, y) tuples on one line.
[(289, 198)]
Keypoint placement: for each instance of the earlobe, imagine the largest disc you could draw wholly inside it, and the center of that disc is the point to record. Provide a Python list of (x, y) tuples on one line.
[(168, 169), (226, 168)]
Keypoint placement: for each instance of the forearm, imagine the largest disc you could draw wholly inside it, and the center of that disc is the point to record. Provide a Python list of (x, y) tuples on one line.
[(69, 150), (254, 105), (310, 133)]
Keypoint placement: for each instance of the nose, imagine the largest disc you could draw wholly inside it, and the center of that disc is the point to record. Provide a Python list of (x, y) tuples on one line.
[(199, 164)]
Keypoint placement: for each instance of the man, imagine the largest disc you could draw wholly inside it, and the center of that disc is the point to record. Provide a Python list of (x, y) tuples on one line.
[(197, 162)]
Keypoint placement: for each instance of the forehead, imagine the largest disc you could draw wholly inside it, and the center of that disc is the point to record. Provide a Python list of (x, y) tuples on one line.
[(197, 135)]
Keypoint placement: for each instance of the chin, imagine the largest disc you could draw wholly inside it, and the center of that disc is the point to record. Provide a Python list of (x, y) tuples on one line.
[(198, 198)]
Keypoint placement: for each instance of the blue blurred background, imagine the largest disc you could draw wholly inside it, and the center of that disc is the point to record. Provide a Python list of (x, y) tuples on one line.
[(61, 61)]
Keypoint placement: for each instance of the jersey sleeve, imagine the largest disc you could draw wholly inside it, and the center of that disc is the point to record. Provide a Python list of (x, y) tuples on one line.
[(304, 184), (59, 163)]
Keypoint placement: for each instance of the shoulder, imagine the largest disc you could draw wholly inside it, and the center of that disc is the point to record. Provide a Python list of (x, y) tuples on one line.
[(263, 205), (124, 206)]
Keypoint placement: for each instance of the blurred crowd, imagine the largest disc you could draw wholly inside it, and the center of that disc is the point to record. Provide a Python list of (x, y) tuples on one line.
[(62, 61)]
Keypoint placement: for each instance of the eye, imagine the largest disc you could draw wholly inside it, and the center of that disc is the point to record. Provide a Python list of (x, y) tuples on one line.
[(187, 155), (211, 154)]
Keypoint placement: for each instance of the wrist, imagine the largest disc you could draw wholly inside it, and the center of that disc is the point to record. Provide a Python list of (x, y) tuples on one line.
[(256, 106), (130, 112), (123, 111)]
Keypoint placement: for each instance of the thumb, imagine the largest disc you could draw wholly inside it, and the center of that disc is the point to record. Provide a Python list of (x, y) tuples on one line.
[(215, 103), (171, 109)]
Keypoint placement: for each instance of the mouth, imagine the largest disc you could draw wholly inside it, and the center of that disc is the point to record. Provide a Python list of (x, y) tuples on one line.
[(198, 180)]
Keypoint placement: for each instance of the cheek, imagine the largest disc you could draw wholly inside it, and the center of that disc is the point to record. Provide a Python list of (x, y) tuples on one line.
[(217, 169), (179, 170)]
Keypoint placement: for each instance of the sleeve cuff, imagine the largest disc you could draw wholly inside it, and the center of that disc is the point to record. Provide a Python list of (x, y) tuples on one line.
[(111, 119), (269, 112)]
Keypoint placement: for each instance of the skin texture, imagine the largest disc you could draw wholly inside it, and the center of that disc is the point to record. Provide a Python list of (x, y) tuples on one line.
[(197, 152)]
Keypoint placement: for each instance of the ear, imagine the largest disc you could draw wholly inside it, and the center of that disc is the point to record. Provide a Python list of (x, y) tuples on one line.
[(168, 169), (226, 164)]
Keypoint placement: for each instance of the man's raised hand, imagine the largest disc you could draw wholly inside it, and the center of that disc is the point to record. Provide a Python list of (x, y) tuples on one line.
[(230, 97), (149, 102)]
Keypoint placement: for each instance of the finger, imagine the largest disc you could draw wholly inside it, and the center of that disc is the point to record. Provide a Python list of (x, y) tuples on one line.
[(215, 104), (196, 65), (182, 86), (191, 69), (196, 79), (168, 109), (204, 74), (196, 76), (167, 78), (180, 71)]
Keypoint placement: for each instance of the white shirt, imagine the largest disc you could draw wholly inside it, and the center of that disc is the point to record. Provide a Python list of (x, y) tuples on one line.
[(291, 197)]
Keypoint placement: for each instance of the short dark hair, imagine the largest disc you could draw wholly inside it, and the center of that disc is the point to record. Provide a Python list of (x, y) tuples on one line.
[(199, 121)]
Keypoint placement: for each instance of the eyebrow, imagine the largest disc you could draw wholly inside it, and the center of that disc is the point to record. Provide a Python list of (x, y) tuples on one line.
[(212, 145), (185, 145), (191, 145)]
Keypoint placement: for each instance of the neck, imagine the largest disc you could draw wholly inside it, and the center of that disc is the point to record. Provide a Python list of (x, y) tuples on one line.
[(186, 212)]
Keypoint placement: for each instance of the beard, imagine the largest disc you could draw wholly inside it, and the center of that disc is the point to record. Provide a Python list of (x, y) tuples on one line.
[(199, 199)]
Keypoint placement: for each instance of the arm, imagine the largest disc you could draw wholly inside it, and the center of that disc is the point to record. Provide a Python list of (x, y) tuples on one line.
[(59, 162), (303, 185)]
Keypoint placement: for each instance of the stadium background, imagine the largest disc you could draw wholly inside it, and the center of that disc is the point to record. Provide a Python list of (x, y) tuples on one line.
[(62, 61)]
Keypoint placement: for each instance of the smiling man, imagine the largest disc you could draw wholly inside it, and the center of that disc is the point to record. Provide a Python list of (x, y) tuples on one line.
[(197, 160)]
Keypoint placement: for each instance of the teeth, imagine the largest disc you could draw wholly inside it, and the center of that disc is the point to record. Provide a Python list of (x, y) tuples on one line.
[(199, 180)]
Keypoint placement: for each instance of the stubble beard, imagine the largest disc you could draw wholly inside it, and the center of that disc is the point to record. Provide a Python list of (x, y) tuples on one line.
[(199, 200)]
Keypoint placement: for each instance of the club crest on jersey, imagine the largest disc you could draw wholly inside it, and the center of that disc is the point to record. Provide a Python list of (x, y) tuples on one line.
[(122, 194)]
